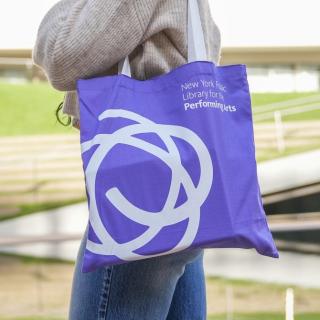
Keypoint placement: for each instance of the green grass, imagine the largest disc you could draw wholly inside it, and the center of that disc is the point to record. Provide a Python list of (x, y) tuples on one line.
[(246, 293), (266, 287), (252, 284), (274, 154), (32, 318), (30, 108), (259, 99), (237, 316), (312, 115), (265, 316), (252, 298), (25, 209), (243, 316), (33, 260)]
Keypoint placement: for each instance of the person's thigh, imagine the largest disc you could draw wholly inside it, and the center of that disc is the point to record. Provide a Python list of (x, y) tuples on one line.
[(189, 299), (136, 290)]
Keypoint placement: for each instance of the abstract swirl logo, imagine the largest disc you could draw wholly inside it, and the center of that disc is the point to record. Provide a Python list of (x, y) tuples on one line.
[(169, 214)]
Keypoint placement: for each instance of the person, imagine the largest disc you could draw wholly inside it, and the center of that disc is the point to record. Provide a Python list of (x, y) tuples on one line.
[(80, 39)]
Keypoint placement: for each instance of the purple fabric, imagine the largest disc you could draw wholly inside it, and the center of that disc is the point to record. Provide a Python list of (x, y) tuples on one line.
[(170, 164)]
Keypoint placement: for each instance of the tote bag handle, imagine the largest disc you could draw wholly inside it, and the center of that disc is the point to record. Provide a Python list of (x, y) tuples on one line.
[(196, 44)]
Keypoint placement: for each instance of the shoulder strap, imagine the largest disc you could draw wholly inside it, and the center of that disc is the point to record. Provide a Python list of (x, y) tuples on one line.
[(196, 43)]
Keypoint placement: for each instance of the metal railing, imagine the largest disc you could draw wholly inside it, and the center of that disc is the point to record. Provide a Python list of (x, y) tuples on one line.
[(275, 112)]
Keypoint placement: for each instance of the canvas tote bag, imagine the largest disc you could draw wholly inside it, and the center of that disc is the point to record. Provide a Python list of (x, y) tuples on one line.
[(169, 162)]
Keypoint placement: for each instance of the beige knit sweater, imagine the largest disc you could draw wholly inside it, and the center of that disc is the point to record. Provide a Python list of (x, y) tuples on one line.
[(87, 38)]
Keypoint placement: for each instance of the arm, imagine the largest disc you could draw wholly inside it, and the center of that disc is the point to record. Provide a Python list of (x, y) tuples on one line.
[(81, 38)]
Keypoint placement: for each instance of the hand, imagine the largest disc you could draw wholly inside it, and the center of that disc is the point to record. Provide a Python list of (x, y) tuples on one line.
[(76, 123)]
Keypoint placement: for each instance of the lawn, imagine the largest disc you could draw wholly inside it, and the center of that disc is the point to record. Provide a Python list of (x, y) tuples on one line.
[(264, 316), (253, 316), (263, 99), (30, 108), (32, 318), (25, 209), (259, 99), (39, 289)]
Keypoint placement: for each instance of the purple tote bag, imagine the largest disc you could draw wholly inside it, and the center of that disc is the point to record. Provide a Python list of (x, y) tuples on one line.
[(169, 162)]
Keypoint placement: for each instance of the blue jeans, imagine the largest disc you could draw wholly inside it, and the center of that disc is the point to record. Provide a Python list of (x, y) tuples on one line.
[(170, 287)]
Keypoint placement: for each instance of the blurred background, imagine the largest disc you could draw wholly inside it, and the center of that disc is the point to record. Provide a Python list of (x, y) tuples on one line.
[(42, 194)]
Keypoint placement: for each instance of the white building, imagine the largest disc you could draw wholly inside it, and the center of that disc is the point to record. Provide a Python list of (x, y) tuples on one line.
[(278, 40)]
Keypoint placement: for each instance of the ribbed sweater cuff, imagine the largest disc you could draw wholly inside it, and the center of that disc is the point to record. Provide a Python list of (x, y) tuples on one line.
[(70, 104)]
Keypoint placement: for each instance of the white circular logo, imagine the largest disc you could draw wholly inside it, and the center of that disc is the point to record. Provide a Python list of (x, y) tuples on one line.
[(169, 215)]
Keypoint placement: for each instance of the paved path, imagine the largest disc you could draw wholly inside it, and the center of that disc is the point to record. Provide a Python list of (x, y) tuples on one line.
[(67, 221), (289, 172)]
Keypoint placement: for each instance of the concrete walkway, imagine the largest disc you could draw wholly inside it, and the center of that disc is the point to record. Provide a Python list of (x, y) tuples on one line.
[(60, 229), (63, 223), (289, 172)]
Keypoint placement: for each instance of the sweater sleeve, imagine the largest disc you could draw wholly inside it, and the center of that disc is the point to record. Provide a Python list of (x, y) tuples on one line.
[(81, 38)]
